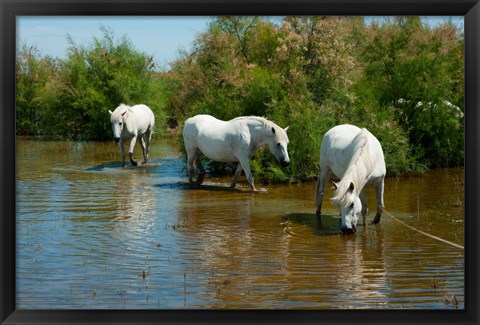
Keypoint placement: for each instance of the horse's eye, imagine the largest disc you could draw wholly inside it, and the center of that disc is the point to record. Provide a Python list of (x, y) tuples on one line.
[(278, 144), (120, 123), (351, 205)]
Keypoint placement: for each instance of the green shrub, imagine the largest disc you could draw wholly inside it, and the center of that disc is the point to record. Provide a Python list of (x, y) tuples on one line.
[(92, 80)]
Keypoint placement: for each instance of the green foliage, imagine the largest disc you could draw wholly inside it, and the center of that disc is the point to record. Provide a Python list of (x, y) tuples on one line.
[(34, 90), (416, 73), (91, 81), (315, 72), (399, 78)]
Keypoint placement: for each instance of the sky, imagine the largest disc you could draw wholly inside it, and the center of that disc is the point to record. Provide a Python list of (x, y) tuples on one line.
[(162, 36)]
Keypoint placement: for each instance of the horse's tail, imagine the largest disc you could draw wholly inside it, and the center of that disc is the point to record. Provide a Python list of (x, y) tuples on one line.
[(357, 171)]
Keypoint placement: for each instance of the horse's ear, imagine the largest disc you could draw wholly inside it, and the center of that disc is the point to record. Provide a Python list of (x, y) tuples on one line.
[(351, 187), (335, 185), (110, 112), (273, 130), (286, 129)]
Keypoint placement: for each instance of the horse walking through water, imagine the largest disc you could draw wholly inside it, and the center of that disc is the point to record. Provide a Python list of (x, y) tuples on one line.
[(131, 123), (355, 156), (236, 140)]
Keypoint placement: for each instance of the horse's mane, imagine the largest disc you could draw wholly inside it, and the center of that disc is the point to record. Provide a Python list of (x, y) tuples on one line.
[(266, 125), (117, 113), (357, 171), (255, 118)]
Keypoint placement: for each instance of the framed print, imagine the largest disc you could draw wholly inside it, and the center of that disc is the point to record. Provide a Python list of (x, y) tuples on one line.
[(224, 162)]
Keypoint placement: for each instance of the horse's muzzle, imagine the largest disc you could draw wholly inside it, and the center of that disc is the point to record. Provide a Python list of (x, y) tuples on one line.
[(349, 231), (116, 140), (285, 163)]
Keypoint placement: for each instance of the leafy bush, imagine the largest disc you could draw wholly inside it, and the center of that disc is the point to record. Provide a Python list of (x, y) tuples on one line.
[(35, 90), (92, 80), (416, 73)]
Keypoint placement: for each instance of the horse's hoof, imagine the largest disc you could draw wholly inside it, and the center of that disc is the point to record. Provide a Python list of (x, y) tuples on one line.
[(376, 219), (134, 163)]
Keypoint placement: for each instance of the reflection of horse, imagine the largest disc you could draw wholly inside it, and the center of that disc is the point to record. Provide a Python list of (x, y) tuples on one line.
[(128, 123), (356, 157), (236, 140)]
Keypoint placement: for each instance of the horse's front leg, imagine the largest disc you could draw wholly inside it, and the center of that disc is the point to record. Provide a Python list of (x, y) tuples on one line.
[(243, 162), (320, 188), (122, 152), (380, 204), (130, 151)]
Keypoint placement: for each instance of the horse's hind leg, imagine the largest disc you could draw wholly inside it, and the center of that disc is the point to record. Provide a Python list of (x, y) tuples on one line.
[(235, 177), (380, 205), (198, 162), (130, 150), (364, 202), (324, 176), (142, 145), (191, 156), (148, 141)]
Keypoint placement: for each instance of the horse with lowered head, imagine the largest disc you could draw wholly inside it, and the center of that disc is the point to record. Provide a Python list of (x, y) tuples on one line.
[(355, 156), (236, 140), (131, 123)]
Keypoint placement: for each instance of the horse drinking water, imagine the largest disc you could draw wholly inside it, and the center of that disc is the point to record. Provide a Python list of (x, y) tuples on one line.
[(356, 157), (236, 140), (130, 123)]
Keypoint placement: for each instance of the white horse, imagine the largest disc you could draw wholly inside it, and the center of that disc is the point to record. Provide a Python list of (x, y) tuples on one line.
[(356, 157), (130, 123), (236, 140)]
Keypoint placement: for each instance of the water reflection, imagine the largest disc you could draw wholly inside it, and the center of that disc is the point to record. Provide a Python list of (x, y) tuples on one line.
[(91, 234)]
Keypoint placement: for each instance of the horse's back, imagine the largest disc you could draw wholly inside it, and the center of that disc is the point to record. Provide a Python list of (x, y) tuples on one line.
[(205, 132), (216, 139), (201, 120), (145, 112), (140, 118), (340, 136), (201, 125), (338, 148)]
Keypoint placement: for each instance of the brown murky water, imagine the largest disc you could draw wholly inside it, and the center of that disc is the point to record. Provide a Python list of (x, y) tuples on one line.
[(91, 234)]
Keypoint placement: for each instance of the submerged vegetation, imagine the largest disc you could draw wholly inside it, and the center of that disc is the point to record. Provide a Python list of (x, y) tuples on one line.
[(399, 77)]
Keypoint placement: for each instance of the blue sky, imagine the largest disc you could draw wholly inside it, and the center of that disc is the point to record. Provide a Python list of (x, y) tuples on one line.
[(162, 37)]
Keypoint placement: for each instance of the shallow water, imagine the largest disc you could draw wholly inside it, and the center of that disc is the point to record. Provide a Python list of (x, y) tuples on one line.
[(94, 235)]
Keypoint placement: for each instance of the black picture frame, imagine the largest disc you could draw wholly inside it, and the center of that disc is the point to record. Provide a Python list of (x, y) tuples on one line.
[(10, 9)]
